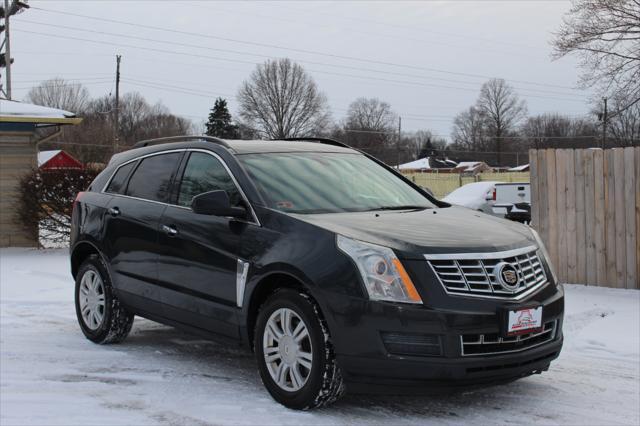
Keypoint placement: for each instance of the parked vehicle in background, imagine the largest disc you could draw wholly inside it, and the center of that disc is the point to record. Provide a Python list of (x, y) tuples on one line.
[(338, 272), (513, 201), (508, 200), (477, 196)]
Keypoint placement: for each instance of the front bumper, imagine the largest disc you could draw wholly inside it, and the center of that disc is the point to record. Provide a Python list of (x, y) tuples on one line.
[(377, 375), (369, 366)]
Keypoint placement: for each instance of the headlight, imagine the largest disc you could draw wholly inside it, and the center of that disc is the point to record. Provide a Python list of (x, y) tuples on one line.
[(545, 254), (384, 276)]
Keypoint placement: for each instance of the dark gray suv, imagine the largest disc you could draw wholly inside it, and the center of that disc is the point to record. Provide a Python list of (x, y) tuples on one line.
[(339, 273)]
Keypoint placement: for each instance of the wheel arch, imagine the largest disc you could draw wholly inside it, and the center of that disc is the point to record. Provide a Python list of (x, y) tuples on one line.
[(80, 252), (263, 289)]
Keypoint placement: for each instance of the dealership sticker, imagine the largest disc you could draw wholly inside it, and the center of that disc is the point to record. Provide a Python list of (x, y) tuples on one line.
[(524, 321)]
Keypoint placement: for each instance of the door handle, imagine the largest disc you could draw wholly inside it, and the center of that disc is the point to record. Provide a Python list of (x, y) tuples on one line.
[(114, 211), (170, 230)]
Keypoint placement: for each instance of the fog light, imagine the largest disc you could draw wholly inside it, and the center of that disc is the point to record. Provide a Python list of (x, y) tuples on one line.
[(412, 344)]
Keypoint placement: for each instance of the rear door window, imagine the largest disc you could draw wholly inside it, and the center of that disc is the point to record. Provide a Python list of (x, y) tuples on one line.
[(205, 173), (119, 180), (152, 179)]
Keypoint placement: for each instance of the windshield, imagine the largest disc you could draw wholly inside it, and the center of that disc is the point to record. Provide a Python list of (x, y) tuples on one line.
[(313, 182)]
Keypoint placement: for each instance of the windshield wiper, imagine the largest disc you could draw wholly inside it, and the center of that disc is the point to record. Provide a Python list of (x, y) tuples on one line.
[(407, 207)]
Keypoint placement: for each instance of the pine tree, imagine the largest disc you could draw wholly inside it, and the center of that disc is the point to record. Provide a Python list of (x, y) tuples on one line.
[(220, 124)]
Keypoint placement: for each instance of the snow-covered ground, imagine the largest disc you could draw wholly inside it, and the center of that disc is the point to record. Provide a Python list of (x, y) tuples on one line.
[(50, 374)]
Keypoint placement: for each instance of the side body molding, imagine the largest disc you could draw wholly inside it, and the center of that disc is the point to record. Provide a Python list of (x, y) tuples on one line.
[(241, 281)]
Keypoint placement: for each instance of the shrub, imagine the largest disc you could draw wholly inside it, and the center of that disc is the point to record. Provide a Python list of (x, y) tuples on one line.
[(46, 201)]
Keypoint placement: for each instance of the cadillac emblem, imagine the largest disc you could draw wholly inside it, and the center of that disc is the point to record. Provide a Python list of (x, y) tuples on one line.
[(507, 276)]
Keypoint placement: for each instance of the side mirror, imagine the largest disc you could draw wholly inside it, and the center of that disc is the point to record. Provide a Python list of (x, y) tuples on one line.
[(216, 203)]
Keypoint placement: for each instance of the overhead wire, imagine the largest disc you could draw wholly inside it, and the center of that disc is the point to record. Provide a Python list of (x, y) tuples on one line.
[(307, 51), (398, 82)]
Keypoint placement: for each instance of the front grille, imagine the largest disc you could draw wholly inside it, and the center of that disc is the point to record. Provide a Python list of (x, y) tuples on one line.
[(473, 274), (492, 344)]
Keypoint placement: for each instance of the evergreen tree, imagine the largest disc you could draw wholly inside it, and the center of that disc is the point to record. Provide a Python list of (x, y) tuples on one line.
[(220, 124)]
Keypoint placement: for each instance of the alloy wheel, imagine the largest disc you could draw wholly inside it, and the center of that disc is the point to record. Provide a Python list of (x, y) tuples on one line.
[(287, 349), (92, 299)]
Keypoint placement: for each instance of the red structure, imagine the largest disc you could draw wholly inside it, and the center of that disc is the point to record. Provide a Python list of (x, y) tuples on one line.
[(57, 159)]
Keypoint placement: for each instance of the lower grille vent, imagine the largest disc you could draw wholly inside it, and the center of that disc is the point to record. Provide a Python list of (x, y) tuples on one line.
[(491, 344)]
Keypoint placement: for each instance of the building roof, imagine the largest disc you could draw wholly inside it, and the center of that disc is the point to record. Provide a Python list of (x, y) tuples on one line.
[(19, 112), (57, 159), (428, 163), (422, 163), (522, 168), (45, 156), (472, 167)]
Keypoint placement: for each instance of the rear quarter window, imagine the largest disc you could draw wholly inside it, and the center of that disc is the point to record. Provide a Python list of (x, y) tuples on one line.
[(119, 179), (152, 178)]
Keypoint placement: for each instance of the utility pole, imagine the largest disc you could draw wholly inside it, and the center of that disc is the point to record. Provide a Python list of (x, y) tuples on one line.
[(605, 118), (398, 143), (8, 9), (7, 46), (117, 107)]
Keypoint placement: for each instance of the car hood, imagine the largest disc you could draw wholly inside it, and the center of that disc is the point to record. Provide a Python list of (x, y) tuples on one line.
[(414, 233)]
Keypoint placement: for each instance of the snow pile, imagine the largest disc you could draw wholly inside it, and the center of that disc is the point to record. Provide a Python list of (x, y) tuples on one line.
[(50, 374)]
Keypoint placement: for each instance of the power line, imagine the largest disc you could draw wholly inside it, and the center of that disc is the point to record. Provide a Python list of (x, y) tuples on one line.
[(378, 34), (274, 46), (421, 29), (489, 137), (172, 88), (400, 82), (154, 40), (67, 80)]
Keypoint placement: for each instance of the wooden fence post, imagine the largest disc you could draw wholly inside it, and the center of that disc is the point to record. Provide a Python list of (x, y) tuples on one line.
[(599, 207), (630, 219), (561, 207), (570, 188)]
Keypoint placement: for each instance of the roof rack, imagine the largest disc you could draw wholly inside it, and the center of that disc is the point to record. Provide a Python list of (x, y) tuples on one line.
[(325, 141), (170, 139)]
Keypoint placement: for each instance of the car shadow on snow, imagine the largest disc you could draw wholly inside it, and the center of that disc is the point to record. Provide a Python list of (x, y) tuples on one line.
[(176, 355)]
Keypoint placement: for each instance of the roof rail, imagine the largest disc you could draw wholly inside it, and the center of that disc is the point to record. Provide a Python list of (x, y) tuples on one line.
[(325, 141), (170, 139)]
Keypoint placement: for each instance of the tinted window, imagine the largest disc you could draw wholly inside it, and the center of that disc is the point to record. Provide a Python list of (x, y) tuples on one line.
[(152, 178), (119, 180), (328, 182), (205, 173)]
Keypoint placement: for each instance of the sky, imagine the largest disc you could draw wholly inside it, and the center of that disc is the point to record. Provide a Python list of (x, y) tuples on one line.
[(427, 59)]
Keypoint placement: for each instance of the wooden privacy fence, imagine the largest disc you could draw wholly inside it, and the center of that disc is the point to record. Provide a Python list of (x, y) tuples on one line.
[(586, 206)]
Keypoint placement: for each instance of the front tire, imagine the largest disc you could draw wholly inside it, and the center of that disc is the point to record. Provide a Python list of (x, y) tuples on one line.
[(101, 317), (294, 352)]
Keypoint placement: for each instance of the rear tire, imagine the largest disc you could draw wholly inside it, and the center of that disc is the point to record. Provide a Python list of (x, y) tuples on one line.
[(303, 343), (101, 317)]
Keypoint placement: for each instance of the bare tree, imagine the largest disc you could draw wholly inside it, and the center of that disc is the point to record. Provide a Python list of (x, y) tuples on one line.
[(624, 124), (370, 126), (502, 109), (281, 100), (470, 131), (606, 36), (557, 131), (61, 94), (92, 140), (424, 142)]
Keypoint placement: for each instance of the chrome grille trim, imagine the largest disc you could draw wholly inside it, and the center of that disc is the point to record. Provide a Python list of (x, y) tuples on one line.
[(471, 274), (548, 334)]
